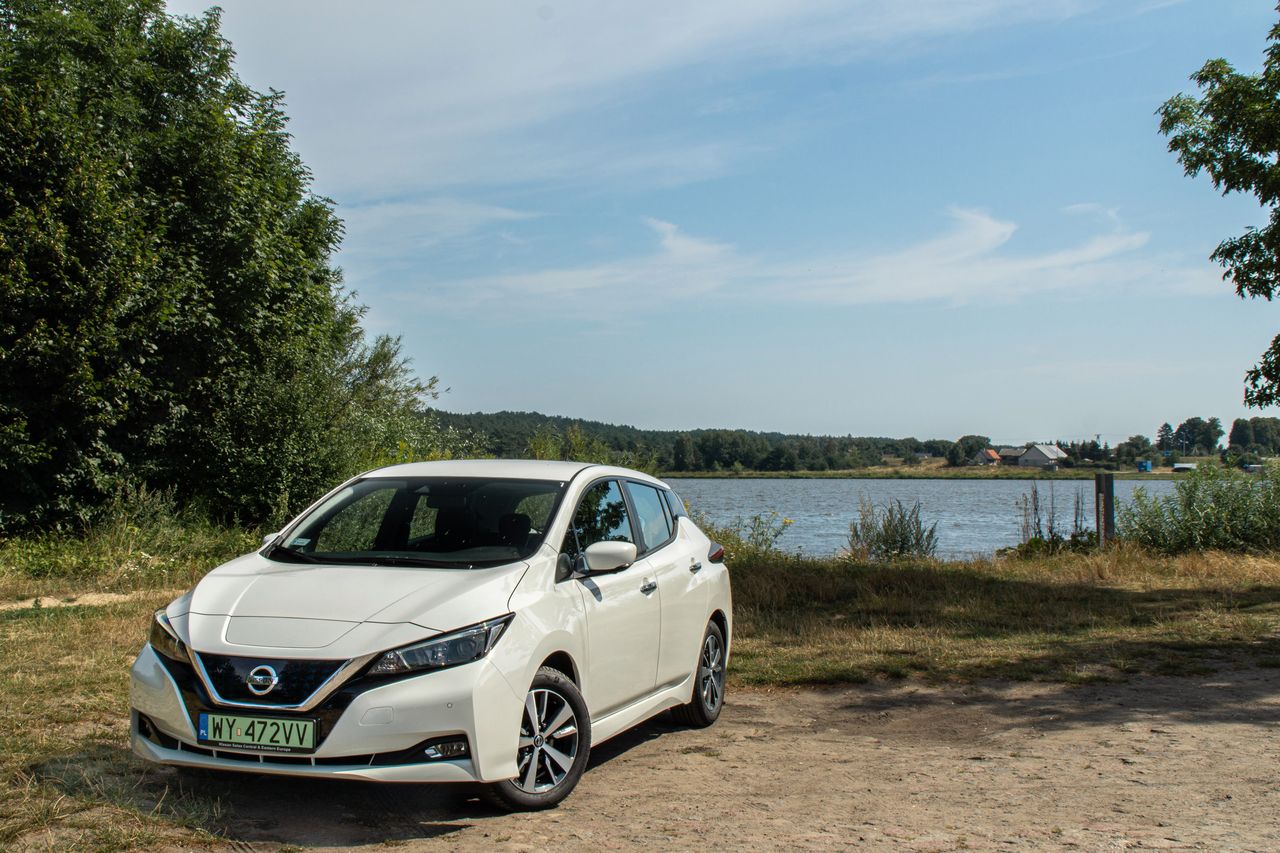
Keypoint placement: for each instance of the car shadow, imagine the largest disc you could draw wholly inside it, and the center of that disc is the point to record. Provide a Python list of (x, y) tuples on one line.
[(625, 742), (256, 808), (260, 808)]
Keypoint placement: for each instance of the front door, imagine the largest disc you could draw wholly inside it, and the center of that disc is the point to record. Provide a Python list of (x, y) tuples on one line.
[(622, 607)]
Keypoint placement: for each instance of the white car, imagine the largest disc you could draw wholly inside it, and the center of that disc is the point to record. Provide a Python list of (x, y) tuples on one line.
[(476, 621)]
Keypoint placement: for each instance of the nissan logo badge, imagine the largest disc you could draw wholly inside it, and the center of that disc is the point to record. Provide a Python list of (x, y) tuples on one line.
[(262, 680)]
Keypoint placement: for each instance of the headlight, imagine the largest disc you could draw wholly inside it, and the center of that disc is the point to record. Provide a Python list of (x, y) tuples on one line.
[(165, 640), (463, 646)]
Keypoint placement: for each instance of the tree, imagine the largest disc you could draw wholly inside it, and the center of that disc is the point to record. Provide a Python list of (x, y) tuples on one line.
[(545, 443), (1241, 436), (965, 448), (682, 453), (1232, 132), (1132, 449), (1266, 435), (1197, 435), (169, 313), (1164, 436), (1213, 431)]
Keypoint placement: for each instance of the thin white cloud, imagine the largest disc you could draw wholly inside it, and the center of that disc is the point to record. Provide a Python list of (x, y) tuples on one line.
[(680, 266), (970, 261), (423, 222), (394, 235), (954, 78), (396, 95)]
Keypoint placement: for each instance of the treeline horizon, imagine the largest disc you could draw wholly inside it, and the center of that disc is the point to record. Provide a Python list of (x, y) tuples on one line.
[(511, 434)]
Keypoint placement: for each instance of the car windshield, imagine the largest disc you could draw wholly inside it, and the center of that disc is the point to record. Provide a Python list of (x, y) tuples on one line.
[(425, 521)]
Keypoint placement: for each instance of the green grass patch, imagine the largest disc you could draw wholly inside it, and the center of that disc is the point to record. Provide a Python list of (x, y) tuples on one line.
[(144, 542)]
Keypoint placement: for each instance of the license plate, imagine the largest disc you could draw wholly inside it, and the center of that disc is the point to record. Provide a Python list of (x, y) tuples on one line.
[(260, 733)]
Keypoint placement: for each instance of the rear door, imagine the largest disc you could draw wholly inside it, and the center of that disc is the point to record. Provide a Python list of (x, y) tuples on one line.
[(622, 607), (668, 556)]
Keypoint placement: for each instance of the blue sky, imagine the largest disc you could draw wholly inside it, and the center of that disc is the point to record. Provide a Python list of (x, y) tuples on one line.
[(920, 217)]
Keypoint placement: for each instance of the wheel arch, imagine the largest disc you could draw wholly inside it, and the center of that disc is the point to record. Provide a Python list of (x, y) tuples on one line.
[(722, 622), (562, 661)]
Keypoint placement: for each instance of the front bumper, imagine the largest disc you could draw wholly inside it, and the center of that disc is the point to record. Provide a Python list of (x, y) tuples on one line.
[(368, 730)]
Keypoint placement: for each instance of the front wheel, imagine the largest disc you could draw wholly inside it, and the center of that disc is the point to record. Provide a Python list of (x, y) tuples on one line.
[(708, 686), (555, 743)]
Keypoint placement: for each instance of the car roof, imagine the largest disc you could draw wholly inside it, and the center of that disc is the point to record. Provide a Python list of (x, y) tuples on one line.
[(516, 469)]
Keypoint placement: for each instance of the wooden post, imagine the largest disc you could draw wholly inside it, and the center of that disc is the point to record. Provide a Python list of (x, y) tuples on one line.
[(1104, 506)]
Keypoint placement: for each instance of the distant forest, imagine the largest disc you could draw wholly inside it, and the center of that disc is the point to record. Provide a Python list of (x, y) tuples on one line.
[(508, 435), (519, 434)]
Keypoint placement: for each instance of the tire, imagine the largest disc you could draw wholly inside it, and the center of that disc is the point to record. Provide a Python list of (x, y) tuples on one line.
[(549, 740), (708, 682)]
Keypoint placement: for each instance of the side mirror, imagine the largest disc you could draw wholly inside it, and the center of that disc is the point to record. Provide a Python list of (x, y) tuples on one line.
[(267, 540), (608, 556)]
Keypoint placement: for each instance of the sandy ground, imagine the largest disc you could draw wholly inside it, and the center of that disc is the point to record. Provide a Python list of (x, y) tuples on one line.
[(1156, 763)]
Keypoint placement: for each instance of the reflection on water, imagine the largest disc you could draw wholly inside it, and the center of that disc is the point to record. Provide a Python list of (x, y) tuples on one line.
[(975, 517)]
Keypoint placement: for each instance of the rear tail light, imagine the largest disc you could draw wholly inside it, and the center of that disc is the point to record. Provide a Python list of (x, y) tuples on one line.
[(716, 552)]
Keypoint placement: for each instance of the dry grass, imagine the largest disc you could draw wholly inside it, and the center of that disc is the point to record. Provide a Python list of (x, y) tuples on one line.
[(67, 780), (1070, 617)]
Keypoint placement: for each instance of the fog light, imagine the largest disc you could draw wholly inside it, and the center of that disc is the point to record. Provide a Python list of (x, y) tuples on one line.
[(446, 749)]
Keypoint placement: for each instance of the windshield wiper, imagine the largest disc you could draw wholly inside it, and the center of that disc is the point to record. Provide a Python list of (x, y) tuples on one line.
[(292, 555), (394, 560)]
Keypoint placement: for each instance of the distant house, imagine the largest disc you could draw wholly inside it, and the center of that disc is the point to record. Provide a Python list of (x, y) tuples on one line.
[(986, 456), (1010, 455), (1041, 456)]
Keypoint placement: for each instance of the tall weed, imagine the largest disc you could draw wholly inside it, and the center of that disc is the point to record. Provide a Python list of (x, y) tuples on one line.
[(891, 532), (1043, 533)]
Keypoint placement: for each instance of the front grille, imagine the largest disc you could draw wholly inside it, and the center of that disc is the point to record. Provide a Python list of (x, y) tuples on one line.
[(299, 679)]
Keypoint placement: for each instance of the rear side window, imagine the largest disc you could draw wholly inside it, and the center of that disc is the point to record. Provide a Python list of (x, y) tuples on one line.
[(601, 517), (676, 504), (652, 515)]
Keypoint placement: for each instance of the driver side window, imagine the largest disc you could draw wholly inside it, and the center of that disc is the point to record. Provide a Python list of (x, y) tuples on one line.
[(601, 517)]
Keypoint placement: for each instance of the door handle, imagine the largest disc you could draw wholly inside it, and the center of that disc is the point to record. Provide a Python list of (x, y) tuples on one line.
[(649, 586), (695, 567)]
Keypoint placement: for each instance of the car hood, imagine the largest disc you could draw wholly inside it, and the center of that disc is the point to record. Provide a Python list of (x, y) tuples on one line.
[(255, 606)]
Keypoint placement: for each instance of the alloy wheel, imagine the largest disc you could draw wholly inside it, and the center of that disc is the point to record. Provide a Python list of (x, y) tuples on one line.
[(548, 741), (711, 673)]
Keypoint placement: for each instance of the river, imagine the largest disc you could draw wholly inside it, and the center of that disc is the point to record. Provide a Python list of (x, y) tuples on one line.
[(974, 517)]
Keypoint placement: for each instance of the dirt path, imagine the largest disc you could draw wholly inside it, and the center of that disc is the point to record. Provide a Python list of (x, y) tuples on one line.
[(1158, 763)]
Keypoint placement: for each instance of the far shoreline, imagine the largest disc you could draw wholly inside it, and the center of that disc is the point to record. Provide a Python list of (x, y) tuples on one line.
[(924, 473)]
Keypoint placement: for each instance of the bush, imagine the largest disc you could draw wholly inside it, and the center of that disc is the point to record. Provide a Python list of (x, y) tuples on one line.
[(1212, 509), (753, 537), (891, 532), (170, 313)]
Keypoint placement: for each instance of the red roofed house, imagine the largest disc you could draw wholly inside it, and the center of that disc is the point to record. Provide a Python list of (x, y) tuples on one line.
[(986, 457)]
